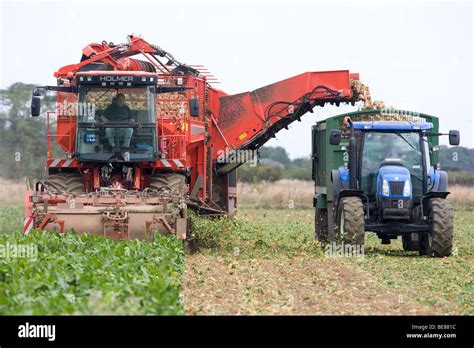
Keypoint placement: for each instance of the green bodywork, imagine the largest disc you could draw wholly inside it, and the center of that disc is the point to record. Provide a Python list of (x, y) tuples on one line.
[(327, 157)]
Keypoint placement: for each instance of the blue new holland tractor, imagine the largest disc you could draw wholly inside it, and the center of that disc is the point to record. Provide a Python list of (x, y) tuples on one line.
[(378, 171)]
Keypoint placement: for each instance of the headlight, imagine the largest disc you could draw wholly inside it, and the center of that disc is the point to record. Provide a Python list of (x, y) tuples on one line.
[(407, 189), (385, 188)]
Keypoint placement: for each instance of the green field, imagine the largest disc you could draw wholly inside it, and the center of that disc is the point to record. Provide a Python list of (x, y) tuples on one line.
[(261, 262), (73, 274)]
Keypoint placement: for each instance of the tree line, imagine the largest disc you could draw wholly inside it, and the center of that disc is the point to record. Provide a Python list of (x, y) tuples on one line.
[(23, 145)]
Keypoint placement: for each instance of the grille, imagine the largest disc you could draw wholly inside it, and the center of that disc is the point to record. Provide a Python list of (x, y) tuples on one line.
[(396, 188)]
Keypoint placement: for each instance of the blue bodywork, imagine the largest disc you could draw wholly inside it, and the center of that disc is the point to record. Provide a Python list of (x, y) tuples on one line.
[(433, 178), (392, 174), (436, 182), (344, 174), (393, 125)]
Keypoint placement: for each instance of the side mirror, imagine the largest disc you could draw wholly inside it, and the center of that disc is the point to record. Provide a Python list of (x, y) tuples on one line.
[(454, 137), (335, 137), (194, 107), (35, 103)]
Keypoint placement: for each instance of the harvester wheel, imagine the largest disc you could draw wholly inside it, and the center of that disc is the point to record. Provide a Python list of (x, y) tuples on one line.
[(58, 181), (321, 224), (67, 182), (439, 241), (171, 181), (350, 221), (75, 183)]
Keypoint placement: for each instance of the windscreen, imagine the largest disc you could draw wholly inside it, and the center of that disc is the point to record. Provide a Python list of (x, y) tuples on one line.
[(117, 124), (401, 148)]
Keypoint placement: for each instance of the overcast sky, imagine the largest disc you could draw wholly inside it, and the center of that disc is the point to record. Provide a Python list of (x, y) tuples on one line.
[(413, 55)]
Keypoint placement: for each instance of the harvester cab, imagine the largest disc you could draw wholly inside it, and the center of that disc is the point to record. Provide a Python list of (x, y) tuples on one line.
[(119, 124), (387, 182)]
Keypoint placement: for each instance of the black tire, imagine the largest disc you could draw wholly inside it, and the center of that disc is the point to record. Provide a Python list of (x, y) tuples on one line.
[(409, 244), (58, 182), (168, 181), (439, 241), (75, 183), (350, 221), (321, 225), (67, 182)]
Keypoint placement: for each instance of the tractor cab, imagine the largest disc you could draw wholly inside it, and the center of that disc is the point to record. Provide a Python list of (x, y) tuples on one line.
[(392, 159)]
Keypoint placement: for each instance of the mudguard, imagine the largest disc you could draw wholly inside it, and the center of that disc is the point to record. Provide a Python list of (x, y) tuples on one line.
[(340, 180), (439, 179)]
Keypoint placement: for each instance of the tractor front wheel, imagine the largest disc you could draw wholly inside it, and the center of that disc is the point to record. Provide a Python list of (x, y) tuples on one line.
[(439, 241), (350, 221)]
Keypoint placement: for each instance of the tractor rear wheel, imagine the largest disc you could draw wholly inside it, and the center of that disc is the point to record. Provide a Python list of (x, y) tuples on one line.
[(321, 225), (350, 221), (67, 182), (439, 241)]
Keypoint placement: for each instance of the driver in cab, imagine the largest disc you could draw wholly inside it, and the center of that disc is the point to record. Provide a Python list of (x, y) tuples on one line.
[(392, 151), (118, 112)]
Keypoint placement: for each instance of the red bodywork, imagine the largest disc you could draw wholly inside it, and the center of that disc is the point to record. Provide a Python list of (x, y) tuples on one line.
[(192, 144)]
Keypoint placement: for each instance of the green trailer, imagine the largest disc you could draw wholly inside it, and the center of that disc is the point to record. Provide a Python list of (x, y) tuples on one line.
[(358, 189)]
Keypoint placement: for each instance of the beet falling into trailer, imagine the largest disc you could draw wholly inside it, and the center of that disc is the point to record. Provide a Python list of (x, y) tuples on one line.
[(133, 143)]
